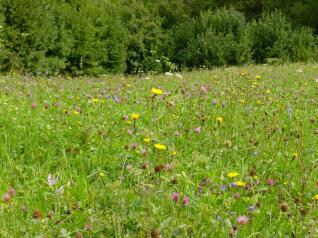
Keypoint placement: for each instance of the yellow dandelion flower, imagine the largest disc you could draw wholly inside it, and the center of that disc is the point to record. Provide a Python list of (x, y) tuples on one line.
[(240, 183), (315, 197), (232, 174), (295, 155), (219, 120), (147, 140), (156, 91), (134, 116), (101, 174), (160, 147), (258, 77), (76, 113)]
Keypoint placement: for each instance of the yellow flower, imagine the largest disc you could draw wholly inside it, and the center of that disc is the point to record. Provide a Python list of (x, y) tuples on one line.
[(76, 113), (315, 197), (258, 77), (174, 153), (228, 143), (156, 91), (160, 147), (134, 116), (240, 183), (233, 174), (101, 174), (147, 140), (255, 84), (219, 120), (97, 100), (295, 155)]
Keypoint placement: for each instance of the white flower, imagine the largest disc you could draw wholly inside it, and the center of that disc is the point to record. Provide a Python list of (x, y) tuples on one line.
[(179, 76), (51, 180), (169, 74), (60, 190)]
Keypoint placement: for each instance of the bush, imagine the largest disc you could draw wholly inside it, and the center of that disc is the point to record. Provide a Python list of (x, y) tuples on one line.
[(144, 38), (272, 36), (82, 37), (213, 39)]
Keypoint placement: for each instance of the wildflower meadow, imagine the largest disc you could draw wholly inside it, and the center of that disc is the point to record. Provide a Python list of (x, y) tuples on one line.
[(230, 152)]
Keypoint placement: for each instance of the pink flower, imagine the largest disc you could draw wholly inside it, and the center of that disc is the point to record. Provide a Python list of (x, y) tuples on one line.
[(6, 197), (271, 182), (11, 192), (33, 105), (197, 130), (203, 90), (186, 201), (242, 220), (169, 167), (175, 196)]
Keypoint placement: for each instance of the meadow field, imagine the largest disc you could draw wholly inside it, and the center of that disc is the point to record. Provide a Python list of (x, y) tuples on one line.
[(231, 152)]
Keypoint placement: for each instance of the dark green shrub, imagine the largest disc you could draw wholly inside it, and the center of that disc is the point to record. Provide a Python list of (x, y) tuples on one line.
[(273, 36), (144, 38), (97, 36), (214, 39), (83, 37)]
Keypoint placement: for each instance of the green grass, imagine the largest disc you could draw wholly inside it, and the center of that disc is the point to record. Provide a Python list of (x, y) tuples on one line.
[(118, 185)]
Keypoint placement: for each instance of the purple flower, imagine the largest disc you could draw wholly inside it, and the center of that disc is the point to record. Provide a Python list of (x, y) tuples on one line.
[(175, 196), (223, 187), (233, 185), (116, 99), (186, 201)]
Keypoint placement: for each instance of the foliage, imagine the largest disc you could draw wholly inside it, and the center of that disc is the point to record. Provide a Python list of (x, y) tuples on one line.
[(137, 36)]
